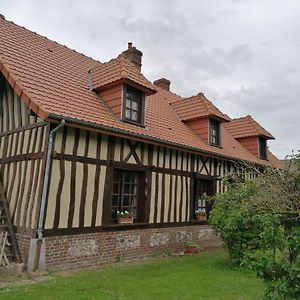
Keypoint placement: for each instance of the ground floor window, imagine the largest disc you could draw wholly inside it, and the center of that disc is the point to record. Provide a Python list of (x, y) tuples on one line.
[(203, 188), (126, 194)]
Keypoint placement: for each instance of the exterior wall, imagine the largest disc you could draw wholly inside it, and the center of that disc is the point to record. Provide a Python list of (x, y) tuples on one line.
[(82, 171), (113, 98), (200, 126), (86, 250), (22, 149), (77, 181), (251, 143)]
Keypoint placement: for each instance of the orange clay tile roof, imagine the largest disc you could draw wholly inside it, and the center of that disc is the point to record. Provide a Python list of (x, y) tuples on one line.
[(197, 107), (120, 68), (53, 81), (246, 127)]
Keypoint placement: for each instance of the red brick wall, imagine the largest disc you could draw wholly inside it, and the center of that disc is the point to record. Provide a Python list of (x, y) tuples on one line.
[(113, 98), (250, 143), (86, 250), (200, 126)]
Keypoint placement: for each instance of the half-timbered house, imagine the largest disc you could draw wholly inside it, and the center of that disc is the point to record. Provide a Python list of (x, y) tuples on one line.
[(82, 141)]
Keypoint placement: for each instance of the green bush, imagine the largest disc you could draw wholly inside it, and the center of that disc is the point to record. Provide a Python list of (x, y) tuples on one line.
[(259, 223)]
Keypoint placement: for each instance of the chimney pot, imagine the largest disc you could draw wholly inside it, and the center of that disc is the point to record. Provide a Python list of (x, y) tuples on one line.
[(163, 83), (129, 45)]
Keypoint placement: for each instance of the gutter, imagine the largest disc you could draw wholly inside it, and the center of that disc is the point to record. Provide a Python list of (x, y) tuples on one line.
[(46, 180), (112, 130)]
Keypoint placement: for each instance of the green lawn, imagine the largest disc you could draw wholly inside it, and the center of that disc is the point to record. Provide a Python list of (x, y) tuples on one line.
[(203, 276)]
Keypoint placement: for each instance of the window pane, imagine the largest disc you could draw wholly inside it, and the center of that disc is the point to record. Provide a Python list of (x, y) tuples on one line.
[(126, 201), (128, 103), (127, 189), (134, 105), (115, 200), (116, 188), (128, 177), (129, 95), (133, 189), (134, 116), (128, 113)]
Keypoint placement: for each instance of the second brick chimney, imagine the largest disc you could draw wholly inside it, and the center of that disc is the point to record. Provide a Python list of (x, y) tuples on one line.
[(163, 83), (134, 55)]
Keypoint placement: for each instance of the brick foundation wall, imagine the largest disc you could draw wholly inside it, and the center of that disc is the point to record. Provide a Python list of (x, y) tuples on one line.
[(87, 250), (23, 236)]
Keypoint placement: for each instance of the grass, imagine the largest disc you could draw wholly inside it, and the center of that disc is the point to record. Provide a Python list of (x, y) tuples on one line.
[(204, 276)]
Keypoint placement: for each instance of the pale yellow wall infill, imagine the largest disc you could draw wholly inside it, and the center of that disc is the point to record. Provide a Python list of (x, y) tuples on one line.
[(58, 141), (100, 200), (104, 146), (173, 197), (167, 196), (77, 193), (88, 210), (92, 145), (55, 178), (152, 200), (70, 140), (81, 142), (159, 198), (65, 197)]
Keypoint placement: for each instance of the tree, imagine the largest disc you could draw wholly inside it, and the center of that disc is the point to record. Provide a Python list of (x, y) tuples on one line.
[(259, 221)]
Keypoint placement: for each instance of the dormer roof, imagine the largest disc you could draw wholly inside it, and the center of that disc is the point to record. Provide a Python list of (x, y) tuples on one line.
[(247, 127), (117, 70), (197, 107)]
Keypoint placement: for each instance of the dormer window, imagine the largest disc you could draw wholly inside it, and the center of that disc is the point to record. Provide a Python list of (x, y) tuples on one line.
[(214, 133), (262, 148), (133, 105)]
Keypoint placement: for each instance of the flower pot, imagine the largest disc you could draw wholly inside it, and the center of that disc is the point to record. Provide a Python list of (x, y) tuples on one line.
[(191, 249), (201, 217), (128, 220)]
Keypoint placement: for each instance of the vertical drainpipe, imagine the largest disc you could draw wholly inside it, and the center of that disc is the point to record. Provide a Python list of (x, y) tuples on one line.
[(46, 180)]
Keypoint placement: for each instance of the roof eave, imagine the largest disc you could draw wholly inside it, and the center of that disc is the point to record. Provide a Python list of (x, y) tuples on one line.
[(148, 91), (115, 131)]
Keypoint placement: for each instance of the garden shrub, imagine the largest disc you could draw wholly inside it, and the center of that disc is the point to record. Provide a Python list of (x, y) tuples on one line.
[(259, 221)]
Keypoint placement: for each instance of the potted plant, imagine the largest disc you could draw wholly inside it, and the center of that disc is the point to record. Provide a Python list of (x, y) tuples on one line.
[(125, 217), (201, 214), (191, 247)]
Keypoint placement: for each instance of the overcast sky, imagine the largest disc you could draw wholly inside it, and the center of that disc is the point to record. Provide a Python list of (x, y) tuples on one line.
[(243, 55)]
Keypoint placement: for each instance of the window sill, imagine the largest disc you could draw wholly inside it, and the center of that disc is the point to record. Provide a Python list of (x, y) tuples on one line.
[(133, 123), (217, 146), (118, 226)]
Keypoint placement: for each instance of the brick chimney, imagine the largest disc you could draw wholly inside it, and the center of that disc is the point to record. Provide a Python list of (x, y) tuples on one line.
[(163, 83), (134, 55)]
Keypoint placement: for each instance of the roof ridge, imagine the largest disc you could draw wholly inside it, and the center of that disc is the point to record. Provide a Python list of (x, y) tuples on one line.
[(44, 37)]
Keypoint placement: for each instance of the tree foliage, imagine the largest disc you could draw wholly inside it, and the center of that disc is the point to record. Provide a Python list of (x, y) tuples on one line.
[(259, 221)]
